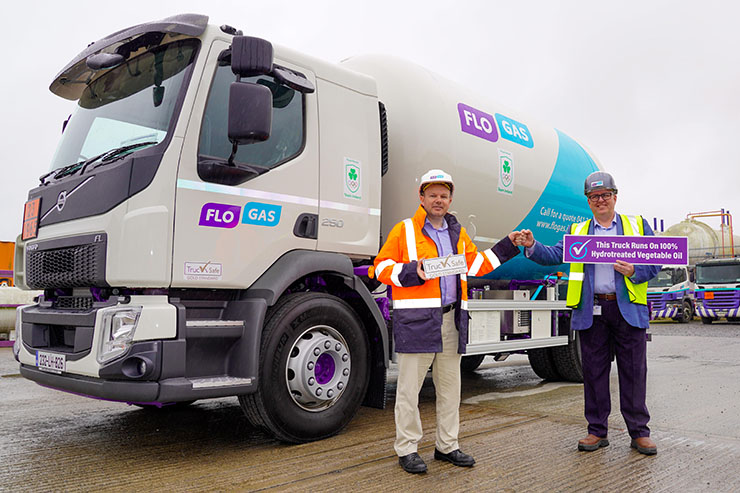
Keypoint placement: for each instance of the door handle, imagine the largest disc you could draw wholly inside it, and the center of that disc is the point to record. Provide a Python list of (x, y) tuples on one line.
[(307, 226)]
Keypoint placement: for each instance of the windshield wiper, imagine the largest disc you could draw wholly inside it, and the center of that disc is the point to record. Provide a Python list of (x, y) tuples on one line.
[(116, 154), (105, 158)]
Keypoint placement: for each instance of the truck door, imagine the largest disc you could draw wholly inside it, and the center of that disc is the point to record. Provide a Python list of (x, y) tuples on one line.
[(226, 235)]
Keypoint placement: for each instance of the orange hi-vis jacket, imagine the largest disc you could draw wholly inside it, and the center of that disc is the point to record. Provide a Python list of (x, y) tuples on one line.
[(417, 305)]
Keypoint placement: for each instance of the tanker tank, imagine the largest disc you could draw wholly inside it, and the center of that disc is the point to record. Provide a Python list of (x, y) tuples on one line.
[(704, 242), (510, 171)]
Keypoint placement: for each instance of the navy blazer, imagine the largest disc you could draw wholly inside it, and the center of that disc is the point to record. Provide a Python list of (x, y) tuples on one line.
[(583, 316)]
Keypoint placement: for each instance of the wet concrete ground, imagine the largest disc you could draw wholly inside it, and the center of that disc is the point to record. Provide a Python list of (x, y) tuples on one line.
[(522, 432)]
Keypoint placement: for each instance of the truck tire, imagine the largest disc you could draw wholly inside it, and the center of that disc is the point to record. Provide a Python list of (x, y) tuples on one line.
[(706, 320), (313, 370), (471, 363), (542, 363), (568, 360), (687, 313)]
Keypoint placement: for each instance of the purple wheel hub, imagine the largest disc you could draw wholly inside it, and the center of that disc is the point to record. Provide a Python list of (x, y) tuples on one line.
[(324, 369)]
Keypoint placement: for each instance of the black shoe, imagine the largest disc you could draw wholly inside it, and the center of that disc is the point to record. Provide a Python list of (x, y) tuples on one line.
[(412, 463), (457, 457)]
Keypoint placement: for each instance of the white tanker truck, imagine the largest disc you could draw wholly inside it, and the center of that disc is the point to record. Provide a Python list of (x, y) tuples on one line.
[(213, 205)]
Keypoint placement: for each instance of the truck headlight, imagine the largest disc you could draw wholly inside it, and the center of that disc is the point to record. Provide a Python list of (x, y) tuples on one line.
[(118, 327)]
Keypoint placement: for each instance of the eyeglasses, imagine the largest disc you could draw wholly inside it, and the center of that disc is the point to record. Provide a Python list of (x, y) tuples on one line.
[(600, 196)]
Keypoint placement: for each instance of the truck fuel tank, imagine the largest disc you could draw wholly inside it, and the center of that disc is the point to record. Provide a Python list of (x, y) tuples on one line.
[(510, 170)]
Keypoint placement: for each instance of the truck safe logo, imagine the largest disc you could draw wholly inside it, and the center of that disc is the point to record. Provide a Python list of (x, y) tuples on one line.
[(203, 271), (261, 214), (219, 215), (476, 122), (514, 131)]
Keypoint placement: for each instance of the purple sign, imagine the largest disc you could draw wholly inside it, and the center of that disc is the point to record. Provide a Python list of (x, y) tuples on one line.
[(478, 123), (219, 215), (650, 250)]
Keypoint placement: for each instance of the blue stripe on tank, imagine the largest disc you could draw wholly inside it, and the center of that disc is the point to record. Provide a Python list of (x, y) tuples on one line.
[(562, 202)]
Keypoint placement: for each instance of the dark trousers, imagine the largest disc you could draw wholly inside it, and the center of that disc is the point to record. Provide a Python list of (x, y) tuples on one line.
[(630, 345)]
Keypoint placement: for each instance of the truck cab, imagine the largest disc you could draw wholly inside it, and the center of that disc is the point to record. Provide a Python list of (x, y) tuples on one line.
[(671, 294), (718, 289)]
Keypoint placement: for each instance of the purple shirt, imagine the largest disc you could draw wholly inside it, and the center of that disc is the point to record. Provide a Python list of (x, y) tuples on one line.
[(441, 238)]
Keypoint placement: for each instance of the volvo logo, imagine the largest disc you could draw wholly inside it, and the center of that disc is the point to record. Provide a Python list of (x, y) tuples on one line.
[(62, 198)]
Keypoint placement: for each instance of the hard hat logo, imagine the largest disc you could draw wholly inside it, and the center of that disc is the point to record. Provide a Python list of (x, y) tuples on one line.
[(436, 176)]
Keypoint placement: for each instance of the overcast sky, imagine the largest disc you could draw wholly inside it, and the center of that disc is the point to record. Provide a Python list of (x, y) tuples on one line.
[(652, 88)]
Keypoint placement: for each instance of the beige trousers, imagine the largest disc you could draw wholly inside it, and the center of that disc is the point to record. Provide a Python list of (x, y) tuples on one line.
[(412, 369)]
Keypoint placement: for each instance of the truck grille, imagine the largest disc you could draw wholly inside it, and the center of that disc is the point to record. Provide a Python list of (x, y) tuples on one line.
[(76, 265), (655, 301), (73, 303), (723, 300)]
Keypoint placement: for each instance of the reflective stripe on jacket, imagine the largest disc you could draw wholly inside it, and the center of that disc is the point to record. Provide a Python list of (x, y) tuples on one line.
[(417, 305), (632, 226)]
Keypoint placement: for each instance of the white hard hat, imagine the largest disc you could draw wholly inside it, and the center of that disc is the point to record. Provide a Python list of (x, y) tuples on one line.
[(436, 176)]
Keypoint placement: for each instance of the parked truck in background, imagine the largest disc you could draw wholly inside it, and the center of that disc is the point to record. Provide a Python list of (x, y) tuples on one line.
[(213, 206), (671, 294), (718, 289)]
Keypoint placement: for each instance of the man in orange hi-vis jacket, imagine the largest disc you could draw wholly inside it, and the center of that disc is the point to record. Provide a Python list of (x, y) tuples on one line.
[(430, 318)]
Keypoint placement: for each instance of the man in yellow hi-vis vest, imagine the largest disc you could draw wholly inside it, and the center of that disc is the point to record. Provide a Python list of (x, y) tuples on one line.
[(609, 304)]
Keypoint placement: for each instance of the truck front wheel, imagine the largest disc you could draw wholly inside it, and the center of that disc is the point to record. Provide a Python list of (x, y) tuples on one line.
[(314, 369), (706, 320), (687, 313)]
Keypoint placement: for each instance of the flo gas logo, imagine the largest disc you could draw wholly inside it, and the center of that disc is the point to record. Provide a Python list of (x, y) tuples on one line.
[(514, 131), (476, 122), (261, 214), (219, 215), (227, 216)]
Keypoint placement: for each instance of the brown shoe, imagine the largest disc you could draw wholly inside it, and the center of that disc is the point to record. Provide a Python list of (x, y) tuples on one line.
[(591, 443), (644, 445)]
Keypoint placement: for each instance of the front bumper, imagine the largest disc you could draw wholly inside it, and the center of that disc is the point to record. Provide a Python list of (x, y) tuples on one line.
[(182, 361)]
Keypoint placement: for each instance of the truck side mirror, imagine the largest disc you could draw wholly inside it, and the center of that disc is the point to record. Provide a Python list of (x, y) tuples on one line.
[(250, 56), (250, 113)]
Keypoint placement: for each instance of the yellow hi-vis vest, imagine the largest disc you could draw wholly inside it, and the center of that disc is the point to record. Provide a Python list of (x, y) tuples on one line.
[(631, 226)]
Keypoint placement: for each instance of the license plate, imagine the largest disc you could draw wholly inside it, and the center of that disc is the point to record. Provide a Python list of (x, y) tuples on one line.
[(55, 363)]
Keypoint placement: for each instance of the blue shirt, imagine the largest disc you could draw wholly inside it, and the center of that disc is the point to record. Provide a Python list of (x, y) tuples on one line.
[(604, 273), (441, 238)]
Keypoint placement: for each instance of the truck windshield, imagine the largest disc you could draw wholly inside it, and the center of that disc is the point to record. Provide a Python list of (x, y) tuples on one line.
[(664, 279), (718, 273), (129, 104)]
